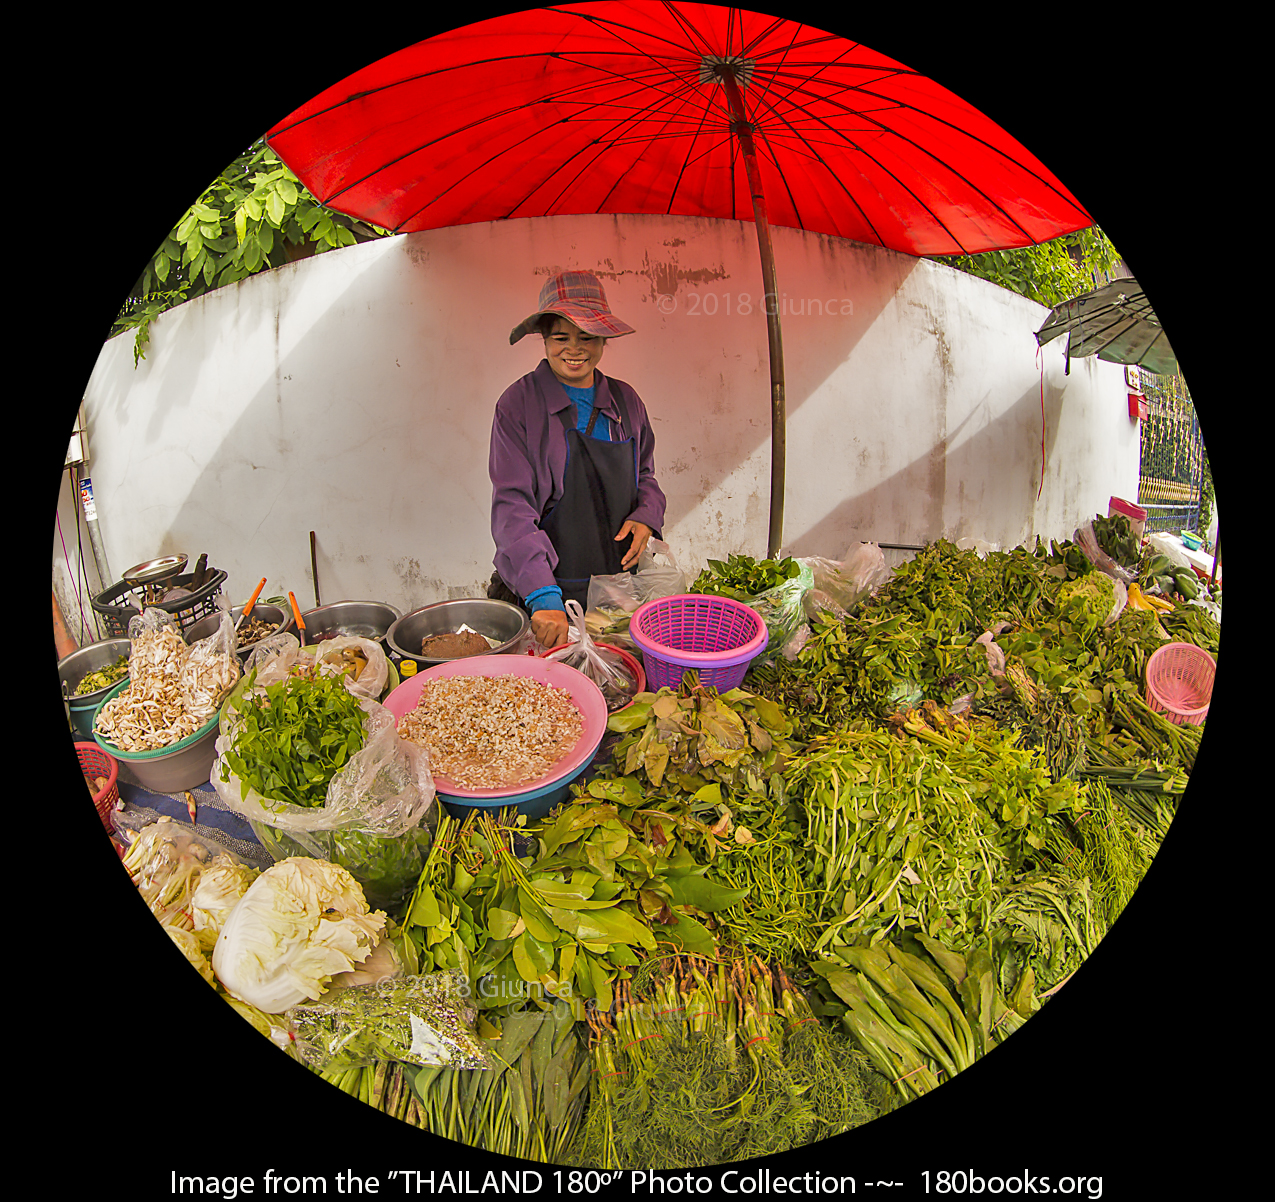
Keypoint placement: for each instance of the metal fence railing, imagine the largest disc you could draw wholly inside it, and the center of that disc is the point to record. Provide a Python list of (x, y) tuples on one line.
[(1171, 477)]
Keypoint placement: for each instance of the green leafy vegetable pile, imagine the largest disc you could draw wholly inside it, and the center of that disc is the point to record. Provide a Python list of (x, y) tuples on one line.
[(772, 913), (293, 737), (707, 1063), (742, 577)]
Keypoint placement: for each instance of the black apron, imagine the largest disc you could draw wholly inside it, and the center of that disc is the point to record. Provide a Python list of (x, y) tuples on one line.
[(599, 491)]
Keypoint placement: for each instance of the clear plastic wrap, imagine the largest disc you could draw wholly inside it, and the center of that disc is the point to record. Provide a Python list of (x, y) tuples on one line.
[(587, 657), (376, 818), (839, 585), (1087, 541), (1171, 548), (153, 621), (612, 598), (166, 861), (343, 653), (210, 671), (279, 656), (273, 658), (422, 1020), (783, 609)]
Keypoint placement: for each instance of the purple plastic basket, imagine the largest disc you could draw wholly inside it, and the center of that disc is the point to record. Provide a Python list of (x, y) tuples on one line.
[(716, 636)]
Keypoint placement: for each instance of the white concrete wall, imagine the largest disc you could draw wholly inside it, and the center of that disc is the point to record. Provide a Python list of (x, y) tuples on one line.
[(351, 394)]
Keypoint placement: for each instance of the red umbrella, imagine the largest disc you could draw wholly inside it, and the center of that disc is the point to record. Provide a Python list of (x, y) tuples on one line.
[(690, 109)]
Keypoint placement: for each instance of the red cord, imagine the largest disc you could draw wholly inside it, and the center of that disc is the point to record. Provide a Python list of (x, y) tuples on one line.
[(1041, 365)]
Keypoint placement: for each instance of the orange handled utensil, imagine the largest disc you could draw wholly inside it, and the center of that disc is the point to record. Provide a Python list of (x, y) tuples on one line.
[(247, 609), (296, 613)]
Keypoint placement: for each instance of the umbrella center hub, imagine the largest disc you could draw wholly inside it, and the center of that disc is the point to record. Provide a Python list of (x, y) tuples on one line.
[(717, 66)]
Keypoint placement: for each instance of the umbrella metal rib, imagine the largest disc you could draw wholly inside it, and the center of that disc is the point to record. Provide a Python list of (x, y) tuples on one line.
[(767, 108)]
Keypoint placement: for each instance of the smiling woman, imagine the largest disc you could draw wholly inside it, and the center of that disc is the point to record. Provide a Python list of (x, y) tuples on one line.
[(572, 462)]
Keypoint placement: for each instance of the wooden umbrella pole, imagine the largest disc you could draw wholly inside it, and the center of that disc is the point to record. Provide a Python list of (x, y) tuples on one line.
[(743, 129)]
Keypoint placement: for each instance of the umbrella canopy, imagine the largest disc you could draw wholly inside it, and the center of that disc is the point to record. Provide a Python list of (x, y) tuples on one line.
[(685, 109), (1115, 322)]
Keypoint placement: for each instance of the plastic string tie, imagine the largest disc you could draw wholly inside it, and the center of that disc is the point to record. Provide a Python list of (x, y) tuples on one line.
[(641, 1038)]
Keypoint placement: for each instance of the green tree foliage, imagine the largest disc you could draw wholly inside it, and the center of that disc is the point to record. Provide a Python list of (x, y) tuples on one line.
[(1049, 272), (255, 215)]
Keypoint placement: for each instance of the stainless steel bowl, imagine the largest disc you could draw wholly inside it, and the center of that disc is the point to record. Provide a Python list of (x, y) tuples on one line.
[(75, 667), (507, 624), (363, 619), (280, 619)]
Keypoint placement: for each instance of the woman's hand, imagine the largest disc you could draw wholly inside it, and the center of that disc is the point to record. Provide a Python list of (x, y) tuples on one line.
[(550, 627), (641, 536)]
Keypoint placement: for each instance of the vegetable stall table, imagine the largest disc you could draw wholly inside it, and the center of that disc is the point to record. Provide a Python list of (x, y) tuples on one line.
[(775, 911), (200, 808)]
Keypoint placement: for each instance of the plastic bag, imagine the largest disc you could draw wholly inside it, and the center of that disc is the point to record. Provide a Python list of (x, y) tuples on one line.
[(423, 1020), (978, 545), (612, 600), (585, 656), (156, 650), (1117, 606), (165, 860), (838, 586), (152, 621), (339, 654), (279, 656), (656, 579), (375, 821), (783, 609), (627, 590), (273, 659), (1087, 541), (1171, 548), (210, 671), (150, 712)]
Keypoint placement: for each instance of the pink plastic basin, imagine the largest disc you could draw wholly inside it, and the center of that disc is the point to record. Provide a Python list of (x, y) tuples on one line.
[(585, 694)]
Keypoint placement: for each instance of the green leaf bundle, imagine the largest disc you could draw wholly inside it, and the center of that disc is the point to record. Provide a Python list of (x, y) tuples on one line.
[(291, 738)]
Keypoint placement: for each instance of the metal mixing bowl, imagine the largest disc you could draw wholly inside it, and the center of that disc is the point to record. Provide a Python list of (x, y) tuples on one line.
[(280, 620), (507, 624), (94, 657), (362, 619), (75, 667)]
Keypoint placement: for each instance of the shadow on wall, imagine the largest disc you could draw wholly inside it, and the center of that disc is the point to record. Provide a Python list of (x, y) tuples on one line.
[(987, 477), (711, 403)]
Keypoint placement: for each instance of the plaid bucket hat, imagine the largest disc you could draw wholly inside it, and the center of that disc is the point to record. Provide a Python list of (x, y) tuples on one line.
[(578, 296)]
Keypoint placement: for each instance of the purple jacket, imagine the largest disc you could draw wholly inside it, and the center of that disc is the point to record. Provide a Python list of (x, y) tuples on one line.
[(527, 460)]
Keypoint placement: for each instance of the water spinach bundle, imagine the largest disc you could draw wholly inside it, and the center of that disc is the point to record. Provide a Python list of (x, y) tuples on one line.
[(920, 828)]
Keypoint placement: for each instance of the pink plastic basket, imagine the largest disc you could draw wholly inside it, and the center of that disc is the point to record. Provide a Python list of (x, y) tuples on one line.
[(1180, 682), (716, 636)]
